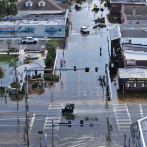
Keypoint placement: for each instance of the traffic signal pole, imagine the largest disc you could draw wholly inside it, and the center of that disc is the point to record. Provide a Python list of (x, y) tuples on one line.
[(54, 125), (26, 93)]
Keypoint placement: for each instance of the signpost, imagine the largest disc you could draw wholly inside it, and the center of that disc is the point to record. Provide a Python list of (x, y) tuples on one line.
[(63, 69)]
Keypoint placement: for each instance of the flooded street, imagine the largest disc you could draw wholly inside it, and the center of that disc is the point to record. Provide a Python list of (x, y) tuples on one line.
[(78, 87)]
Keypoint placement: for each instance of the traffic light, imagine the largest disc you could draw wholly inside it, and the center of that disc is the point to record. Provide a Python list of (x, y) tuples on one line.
[(81, 122), (69, 122), (96, 69), (86, 69), (74, 68)]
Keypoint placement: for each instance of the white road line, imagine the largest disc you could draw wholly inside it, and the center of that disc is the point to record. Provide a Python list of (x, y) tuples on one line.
[(13, 41), (32, 122), (122, 122), (55, 106), (141, 110), (4, 41), (48, 123), (10, 125)]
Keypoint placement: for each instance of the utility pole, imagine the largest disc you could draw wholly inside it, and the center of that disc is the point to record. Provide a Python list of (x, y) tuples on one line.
[(26, 110), (16, 78)]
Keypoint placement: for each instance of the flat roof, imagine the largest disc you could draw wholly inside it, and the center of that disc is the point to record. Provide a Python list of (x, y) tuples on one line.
[(134, 47), (33, 22), (132, 72), (133, 30), (115, 33)]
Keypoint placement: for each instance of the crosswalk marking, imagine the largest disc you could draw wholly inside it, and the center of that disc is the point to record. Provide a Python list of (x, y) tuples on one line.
[(141, 110), (59, 106), (32, 122), (92, 93), (122, 117), (48, 123)]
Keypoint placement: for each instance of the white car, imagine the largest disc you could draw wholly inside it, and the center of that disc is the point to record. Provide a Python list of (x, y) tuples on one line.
[(84, 30), (29, 40)]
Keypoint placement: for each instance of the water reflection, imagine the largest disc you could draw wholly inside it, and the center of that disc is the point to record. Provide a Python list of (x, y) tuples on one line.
[(108, 136), (68, 116)]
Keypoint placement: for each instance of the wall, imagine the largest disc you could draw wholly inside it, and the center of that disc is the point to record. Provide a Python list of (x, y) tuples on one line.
[(32, 31), (142, 41), (137, 88), (24, 13)]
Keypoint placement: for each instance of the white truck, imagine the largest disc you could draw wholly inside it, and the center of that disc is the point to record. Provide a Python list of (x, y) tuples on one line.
[(29, 40)]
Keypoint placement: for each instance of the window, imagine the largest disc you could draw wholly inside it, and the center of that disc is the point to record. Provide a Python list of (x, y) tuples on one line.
[(134, 84), (142, 84), (28, 4), (128, 85)]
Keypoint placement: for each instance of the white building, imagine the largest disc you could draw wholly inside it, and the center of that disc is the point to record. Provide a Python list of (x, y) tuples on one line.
[(20, 71)]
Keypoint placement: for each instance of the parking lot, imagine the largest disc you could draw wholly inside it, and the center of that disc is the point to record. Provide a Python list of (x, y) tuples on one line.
[(17, 44)]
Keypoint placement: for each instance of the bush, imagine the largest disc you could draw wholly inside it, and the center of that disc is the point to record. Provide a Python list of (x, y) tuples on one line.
[(101, 25), (101, 20), (95, 9), (14, 85), (35, 84), (95, 27), (51, 77)]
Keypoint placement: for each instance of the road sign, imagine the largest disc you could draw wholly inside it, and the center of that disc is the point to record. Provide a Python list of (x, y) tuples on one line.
[(95, 22), (63, 69)]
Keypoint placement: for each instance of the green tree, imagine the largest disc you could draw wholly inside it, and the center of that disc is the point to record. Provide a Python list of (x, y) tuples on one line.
[(2, 73), (8, 7), (49, 60)]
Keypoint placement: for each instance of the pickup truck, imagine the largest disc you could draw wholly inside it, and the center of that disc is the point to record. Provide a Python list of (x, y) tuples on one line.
[(29, 40)]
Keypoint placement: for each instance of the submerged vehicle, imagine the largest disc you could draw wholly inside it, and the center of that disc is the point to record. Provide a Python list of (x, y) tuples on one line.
[(78, 6), (84, 30), (68, 108)]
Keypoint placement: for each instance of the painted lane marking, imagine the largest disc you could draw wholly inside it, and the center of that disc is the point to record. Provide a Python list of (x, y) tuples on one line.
[(122, 117), (4, 41), (141, 110), (48, 123), (32, 122)]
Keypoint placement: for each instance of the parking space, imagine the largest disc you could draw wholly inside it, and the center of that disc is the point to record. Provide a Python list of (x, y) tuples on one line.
[(17, 44), (36, 47)]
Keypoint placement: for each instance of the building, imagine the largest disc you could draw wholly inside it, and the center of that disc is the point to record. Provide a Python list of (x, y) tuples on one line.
[(129, 33), (53, 27), (136, 14), (138, 132), (20, 71), (116, 5), (133, 78), (134, 55), (37, 7)]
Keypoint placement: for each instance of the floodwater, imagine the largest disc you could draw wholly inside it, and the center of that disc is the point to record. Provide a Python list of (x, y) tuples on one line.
[(85, 90)]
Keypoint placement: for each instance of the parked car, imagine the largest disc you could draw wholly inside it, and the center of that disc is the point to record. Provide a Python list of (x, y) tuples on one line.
[(78, 6), (84, 30), (29, 40)]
